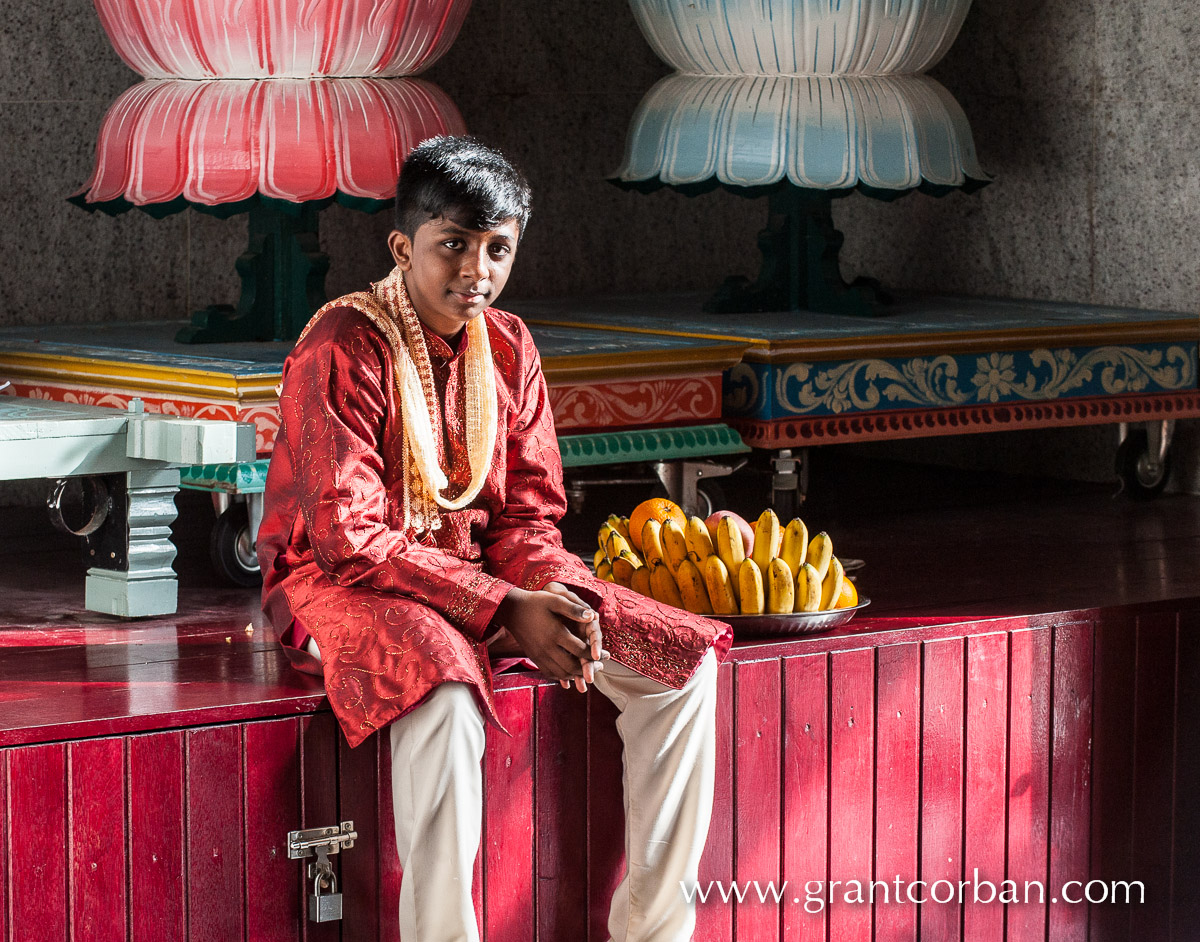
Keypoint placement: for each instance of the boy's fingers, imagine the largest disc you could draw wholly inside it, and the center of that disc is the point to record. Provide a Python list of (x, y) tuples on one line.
[(574, 646), (573, 608), (595, 639)]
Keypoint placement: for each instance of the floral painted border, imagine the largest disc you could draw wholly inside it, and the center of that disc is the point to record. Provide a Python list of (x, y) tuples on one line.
[(836, 387)]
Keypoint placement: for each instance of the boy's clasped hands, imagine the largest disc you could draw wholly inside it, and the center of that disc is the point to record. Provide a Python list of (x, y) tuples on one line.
[(556, 630)]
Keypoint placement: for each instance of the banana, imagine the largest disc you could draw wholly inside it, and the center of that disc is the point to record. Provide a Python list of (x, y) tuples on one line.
[(750, 581), (781, 588), (691, 588), (767, 537), (808, 589), (652, 547), (620, 524), (604, 571), (831, 588), (598, 558), (820, 551), (795, 545), (674, 542), (640, 581), (699, 543), (663, 585), (729, 546), (618, 545), (602, 536), (720, 586), (624, 567)]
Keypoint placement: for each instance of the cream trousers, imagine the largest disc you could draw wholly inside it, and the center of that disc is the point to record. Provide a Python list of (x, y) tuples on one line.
[(669, 739)]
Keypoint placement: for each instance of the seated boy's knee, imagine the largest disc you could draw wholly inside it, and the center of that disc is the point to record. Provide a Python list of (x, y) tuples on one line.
[(451, 708), (706, 671)]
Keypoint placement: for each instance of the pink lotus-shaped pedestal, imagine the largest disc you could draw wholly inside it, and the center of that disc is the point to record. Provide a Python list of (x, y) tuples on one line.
[(223, 142), (205, 39)]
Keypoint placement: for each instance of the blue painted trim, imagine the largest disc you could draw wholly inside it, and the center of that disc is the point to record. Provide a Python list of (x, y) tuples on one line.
[(838, 387)]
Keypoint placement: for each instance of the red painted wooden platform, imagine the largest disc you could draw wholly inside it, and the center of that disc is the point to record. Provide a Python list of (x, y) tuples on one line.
[(1023, 698)]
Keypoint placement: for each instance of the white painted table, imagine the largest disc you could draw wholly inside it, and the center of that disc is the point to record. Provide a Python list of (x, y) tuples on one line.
[(143, 451)]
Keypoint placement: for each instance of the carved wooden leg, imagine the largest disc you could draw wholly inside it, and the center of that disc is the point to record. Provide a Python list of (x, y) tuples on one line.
[(139, 580)]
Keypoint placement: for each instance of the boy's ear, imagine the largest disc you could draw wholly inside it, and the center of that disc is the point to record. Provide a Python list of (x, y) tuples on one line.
[(401, 248)]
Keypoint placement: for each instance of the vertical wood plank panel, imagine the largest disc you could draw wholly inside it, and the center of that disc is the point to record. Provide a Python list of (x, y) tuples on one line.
[(1029, 782), (37, 859), (478, 877), (319, 735), (1185, 900), (157, 838), (805, 795), (606, 813), (897, 787), (942, 786), (1112, 756), (1070, 777), (390, 872), (851, 791), (1154, 772), (272, 790), (5, 889), (560, 803), (508, 906), (98, 840), (215, 863), (359, 801), (986, 776), (758, 805), (714, 920)]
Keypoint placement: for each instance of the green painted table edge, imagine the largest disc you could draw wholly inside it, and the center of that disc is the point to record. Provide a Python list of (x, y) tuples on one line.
[(598, 448), (658, 444), (246, 477)]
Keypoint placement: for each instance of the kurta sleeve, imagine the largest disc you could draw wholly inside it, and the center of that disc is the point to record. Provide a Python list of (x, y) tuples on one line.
[(523, 545), (334, 410)]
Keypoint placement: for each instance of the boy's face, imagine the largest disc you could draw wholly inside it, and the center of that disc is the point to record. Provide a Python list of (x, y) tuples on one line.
[(453, 273)]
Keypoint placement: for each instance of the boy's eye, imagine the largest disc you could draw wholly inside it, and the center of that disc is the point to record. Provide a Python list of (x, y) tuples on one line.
[(453, 243), (500, 249)]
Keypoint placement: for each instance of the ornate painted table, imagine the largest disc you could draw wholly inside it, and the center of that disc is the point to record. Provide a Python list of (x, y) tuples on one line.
[(618, 397), (935, 366), (132, 459)]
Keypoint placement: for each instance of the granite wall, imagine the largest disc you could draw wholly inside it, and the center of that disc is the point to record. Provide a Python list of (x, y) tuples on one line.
[(1084, 112), (1082, 109), (552, 83)]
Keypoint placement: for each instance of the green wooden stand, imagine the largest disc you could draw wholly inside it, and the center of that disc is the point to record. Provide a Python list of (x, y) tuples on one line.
[(283, 279), (799, 271)]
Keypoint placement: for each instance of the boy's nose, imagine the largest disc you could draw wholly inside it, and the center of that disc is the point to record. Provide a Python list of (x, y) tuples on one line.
[(474, 266)]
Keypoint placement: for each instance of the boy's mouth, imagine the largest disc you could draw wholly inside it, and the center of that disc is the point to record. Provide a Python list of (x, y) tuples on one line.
[(469, 297)]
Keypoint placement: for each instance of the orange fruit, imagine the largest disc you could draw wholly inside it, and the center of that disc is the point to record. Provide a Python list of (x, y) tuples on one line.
[(848, 597), (656, 508)]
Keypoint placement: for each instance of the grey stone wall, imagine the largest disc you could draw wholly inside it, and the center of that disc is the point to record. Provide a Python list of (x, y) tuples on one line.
[(1082, 109), (552, 83), (1084, 112)]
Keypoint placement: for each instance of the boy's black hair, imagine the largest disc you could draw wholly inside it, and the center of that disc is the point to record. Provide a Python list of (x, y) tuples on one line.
[(462, 179)]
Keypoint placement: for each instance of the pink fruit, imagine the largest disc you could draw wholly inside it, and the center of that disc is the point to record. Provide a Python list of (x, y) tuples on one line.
[(746, 530)]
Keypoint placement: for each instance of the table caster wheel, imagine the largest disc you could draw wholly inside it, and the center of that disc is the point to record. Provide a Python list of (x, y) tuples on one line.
[(231, 547), (1142, 474)]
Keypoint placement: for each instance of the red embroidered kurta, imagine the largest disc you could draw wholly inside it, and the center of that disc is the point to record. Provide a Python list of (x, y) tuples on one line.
[(395, 616)]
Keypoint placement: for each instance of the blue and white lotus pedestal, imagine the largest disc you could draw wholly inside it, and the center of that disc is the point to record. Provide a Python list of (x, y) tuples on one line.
[(803, 102)]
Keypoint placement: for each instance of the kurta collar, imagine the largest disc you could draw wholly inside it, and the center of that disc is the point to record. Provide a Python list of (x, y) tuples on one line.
[(443, 350)]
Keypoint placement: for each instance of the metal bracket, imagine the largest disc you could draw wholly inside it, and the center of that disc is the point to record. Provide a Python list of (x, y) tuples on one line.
[(680, 479), (321, 841)]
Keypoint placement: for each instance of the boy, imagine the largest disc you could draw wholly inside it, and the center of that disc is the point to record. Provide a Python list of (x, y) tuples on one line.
[(410, 516)]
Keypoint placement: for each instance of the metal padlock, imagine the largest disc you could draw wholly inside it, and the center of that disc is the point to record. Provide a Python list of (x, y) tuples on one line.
[(325, 907)]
